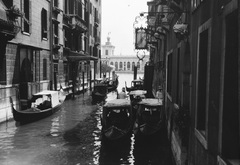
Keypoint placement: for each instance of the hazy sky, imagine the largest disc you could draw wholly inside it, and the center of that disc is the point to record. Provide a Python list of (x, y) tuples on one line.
[(118, 17)]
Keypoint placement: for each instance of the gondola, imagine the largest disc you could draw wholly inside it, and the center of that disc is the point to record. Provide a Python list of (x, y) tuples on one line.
[(149, 116), (136, 96), (116, 120), (99, 92), (135, 85), (112, 85), (41, 105)]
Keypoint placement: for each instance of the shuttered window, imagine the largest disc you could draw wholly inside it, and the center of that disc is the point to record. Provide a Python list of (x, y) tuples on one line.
[(44, 23)]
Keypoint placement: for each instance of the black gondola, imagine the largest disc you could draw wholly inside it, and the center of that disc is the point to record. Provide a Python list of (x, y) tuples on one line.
[(135, 85), (99, 92), (42, 104), (149, 116), (112, 84), (117, 120)]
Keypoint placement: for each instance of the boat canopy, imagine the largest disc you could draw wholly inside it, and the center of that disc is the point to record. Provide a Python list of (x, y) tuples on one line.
[(137, 80), (151, 102), (138, 92), (118, 103), (44, 95)]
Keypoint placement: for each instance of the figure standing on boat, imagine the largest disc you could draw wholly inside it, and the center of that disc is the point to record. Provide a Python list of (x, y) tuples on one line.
[(122, 94), (159, 93)]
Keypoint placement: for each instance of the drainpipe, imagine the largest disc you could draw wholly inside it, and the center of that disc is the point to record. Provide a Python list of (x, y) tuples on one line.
[(51, 44)]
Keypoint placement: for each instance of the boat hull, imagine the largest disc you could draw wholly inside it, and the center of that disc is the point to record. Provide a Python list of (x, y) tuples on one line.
[(98, 97), (150, 118), (28, 117), (114, 133), (117, 120), (37, 111)]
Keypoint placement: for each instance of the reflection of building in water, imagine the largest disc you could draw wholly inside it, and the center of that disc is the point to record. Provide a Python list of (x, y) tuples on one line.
[(122, 63)]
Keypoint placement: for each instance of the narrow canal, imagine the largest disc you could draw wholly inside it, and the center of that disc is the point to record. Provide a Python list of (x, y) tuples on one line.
[(72, 136)]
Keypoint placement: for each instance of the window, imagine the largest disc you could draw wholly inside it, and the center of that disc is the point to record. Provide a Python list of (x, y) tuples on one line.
[(128, 65), (65, 71), (66, 7), (67, 37), (230, 114), (55, 30), (26, 19), (8, 3), (44, 69), (84, 11), (133, 65), (90, 7), (138, 65), (195, 3), (178, 70), (90, 50), (124, 65), (106, 52), (169, 74), (37, 65), (55, 3), (202, 81), (116, 66), (120, 65), (80, 10), (85, 45), (44, 23), (2, 62)]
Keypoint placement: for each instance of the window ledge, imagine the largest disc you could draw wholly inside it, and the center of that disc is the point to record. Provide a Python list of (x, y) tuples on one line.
[(26, 33), (229, 161), (201, 138)]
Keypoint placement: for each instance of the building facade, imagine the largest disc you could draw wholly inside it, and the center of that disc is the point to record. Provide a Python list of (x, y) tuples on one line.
[(121, 63), (49, 44), (199, 47)]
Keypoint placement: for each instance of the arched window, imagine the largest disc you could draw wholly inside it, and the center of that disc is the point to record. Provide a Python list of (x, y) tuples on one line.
[(133, 64), (111, 63), (116, 66), (120, 65), (128, 65), (138, 65)]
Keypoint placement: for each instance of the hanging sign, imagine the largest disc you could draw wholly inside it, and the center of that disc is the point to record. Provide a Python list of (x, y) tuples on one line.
[(141, 38)]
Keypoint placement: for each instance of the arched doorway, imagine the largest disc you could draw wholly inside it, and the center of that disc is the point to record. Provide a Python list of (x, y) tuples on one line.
[(25, 77)]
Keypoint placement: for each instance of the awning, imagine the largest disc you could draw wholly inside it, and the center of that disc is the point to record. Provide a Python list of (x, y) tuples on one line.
[(80, 56)]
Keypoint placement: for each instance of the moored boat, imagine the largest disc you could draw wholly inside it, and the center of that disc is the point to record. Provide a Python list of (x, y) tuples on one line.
[(41, 105), (136, 96), (99, 92), (112, 84), (117, 119), (149, 116), (135, 85)]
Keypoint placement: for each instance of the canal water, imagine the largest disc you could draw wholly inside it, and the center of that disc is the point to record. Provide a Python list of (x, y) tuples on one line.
[(72, 136)]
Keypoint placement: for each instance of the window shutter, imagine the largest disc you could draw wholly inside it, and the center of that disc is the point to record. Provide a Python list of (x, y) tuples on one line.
[(42, 20), (22, 19), (30, 16)]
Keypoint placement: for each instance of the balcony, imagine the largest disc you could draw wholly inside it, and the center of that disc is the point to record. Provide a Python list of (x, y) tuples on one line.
[(56, 10), (97, 41), (96, 22), (175, 5), (78, 23)]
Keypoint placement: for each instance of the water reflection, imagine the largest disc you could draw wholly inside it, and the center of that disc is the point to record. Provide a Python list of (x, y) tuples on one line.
[(111, 152), (116, 152)]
